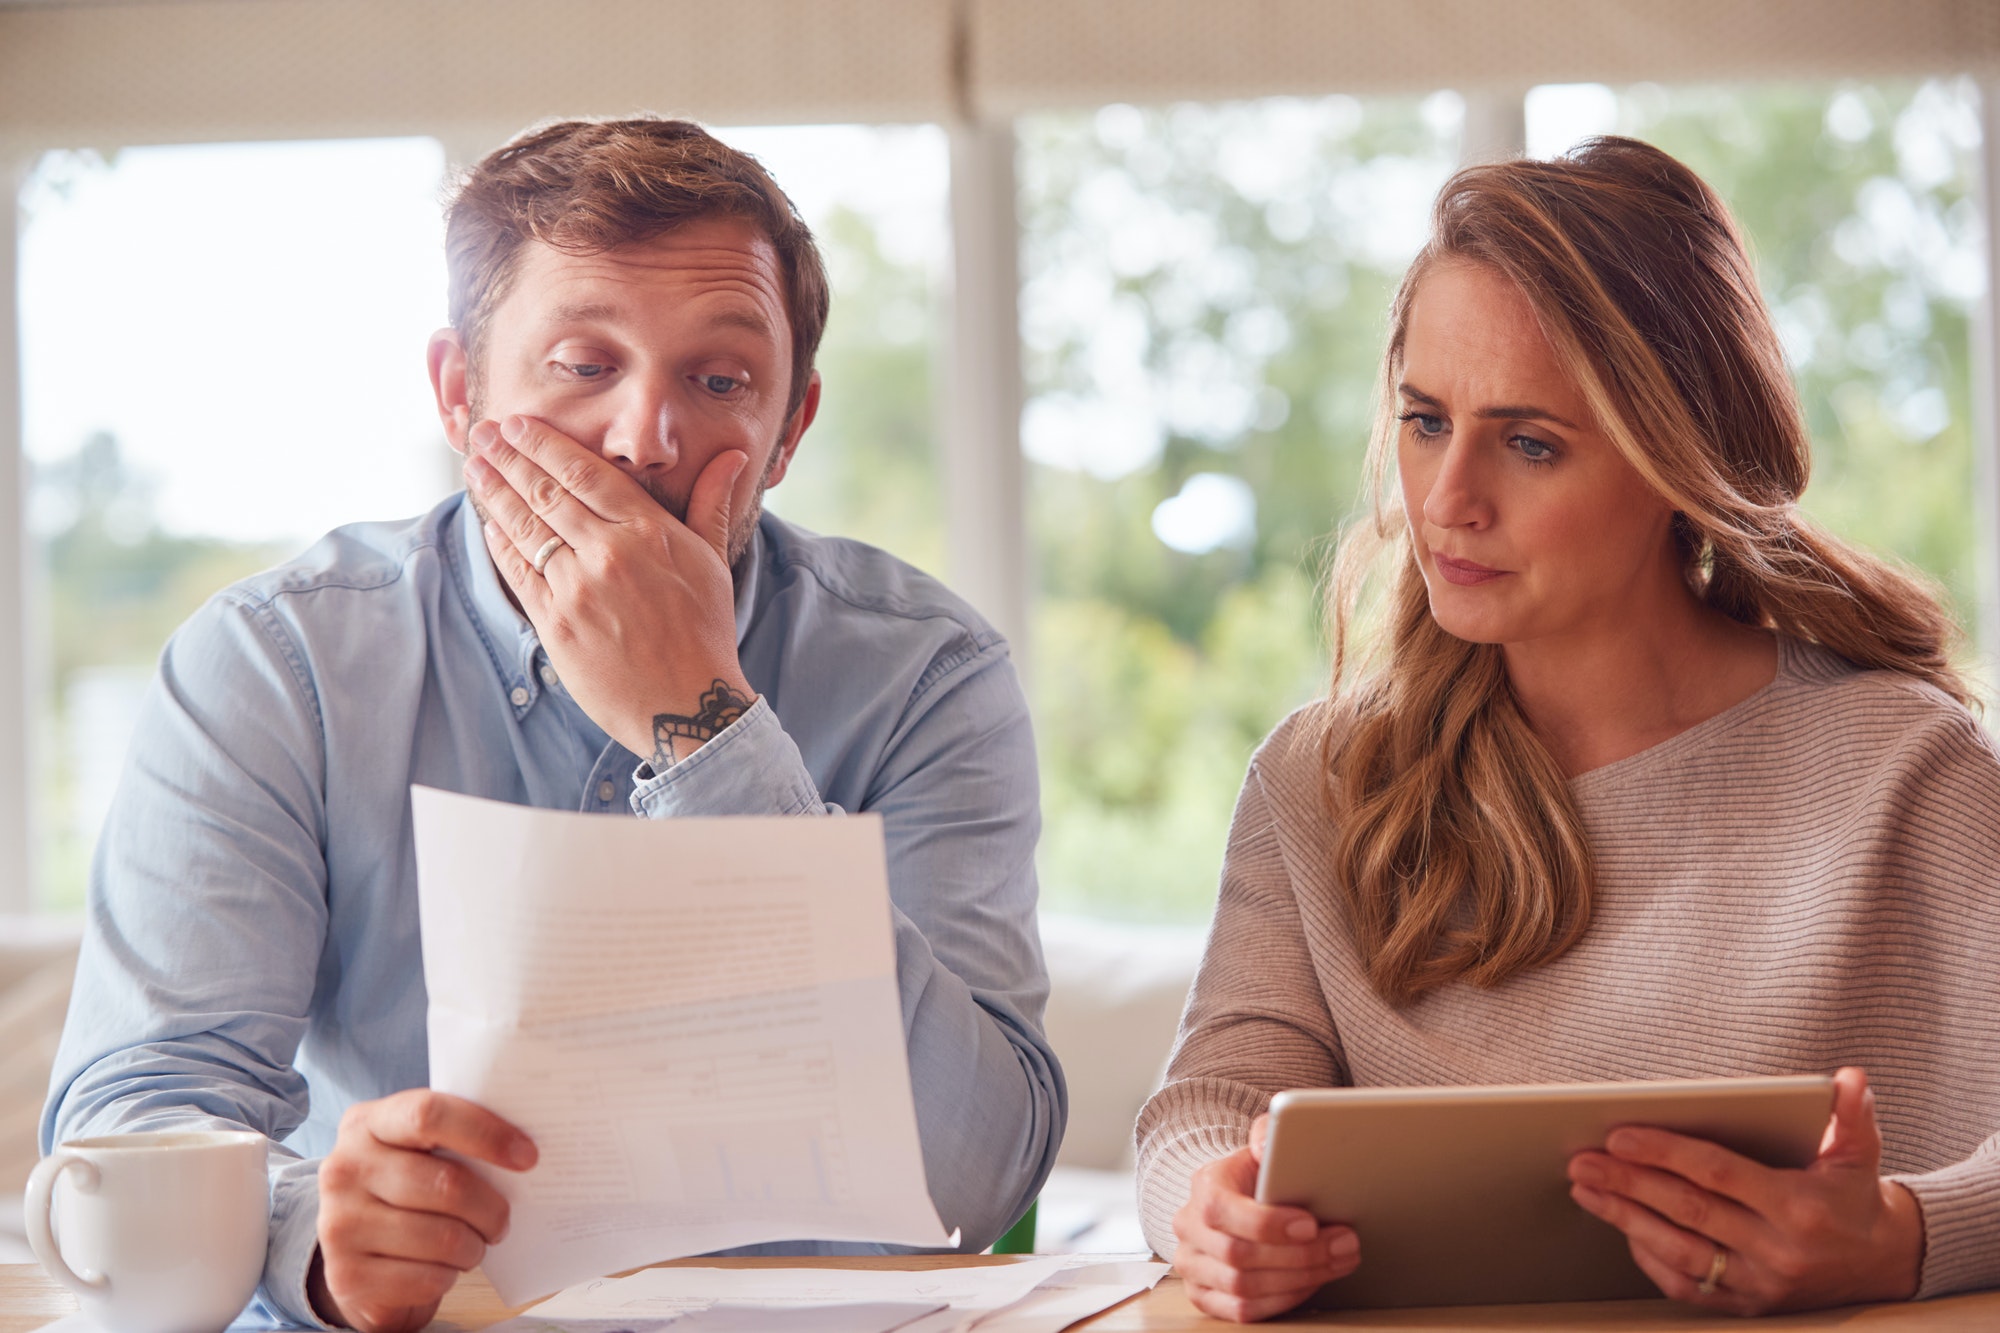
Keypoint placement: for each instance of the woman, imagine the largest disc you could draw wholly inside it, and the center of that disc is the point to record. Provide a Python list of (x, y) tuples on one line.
[(1656, 780)]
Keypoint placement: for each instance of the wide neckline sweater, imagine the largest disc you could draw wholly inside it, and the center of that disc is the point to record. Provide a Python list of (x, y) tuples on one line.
[(1808, 879)]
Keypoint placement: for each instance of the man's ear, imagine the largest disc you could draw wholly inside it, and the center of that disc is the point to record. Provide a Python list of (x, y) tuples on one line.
[(446, 359), (794, 430)]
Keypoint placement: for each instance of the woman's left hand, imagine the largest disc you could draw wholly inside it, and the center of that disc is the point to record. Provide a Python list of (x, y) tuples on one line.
[(1718, 1230)]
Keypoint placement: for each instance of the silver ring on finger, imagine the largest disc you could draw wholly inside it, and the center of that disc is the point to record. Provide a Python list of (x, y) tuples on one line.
[(1716, 1267), (549, 548)]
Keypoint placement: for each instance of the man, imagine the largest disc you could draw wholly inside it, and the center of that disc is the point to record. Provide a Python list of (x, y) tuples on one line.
[(604, 623)]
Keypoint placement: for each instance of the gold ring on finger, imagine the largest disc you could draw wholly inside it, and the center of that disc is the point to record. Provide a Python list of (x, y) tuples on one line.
[(1716, 1267)]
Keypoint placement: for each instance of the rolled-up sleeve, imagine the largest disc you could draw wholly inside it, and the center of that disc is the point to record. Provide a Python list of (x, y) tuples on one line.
[(206, 917), (959, 799)]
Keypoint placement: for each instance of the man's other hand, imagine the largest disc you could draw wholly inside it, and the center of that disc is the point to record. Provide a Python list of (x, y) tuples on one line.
[(397, 1222)]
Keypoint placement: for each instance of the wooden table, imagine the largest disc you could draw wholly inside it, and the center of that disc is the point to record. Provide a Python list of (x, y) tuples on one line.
[(29, 1299)]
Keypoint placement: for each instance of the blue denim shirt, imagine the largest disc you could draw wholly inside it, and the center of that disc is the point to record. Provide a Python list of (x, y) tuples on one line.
[(252, 954)]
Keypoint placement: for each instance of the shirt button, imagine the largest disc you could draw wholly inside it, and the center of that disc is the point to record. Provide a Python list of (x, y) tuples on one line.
[(605, 791), (548, 675), (519, 697)]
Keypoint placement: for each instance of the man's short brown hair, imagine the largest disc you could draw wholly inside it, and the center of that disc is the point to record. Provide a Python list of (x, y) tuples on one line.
[(588, 186)]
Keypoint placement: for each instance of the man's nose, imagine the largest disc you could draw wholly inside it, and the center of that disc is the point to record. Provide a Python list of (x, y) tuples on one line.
[(1457, 497), (643, 431)]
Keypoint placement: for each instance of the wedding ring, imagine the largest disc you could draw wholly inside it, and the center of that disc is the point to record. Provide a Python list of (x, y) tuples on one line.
[(1715, 1269), (549, 548)]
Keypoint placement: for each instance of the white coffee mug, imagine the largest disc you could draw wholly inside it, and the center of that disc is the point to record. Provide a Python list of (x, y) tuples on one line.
[(161, 1233)]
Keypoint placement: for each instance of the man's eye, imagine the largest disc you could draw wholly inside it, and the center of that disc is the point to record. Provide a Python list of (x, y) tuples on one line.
[(584, 370), (720, 384)]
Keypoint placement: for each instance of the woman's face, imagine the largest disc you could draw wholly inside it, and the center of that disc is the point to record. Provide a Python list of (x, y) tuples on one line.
[(1528, 523)]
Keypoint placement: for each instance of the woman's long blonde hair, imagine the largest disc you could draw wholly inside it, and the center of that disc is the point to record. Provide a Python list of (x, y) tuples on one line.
[(1460, 850)]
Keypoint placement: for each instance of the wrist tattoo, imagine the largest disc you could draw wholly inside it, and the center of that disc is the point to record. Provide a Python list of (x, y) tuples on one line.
[(720, 706)]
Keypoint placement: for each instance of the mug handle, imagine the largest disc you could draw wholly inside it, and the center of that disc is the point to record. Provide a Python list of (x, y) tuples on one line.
[(40, 1204)]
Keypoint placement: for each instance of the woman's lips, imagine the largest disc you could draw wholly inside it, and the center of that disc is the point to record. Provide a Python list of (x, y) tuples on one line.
[(1464, 573)]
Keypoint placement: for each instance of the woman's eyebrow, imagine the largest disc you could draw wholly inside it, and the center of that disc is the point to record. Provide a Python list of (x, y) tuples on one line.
[(1524, 412), (1505, 412)]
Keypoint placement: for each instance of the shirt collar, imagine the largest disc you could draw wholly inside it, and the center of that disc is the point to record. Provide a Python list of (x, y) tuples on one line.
[(512, 639), (509, 637)]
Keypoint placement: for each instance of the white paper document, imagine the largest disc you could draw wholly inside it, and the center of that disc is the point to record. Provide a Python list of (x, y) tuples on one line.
[(696, 1020), (728, 1318), (969, 1289), (1075, 1294)]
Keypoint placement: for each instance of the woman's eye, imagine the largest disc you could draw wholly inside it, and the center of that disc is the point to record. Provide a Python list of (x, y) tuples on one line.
[(720, 384), (1426, 423), (1534, 450)]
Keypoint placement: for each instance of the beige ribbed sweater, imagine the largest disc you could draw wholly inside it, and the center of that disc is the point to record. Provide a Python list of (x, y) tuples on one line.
[(1806, 880)]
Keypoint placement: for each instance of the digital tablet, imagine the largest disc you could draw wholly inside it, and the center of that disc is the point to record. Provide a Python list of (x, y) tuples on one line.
[(1461, 1195)]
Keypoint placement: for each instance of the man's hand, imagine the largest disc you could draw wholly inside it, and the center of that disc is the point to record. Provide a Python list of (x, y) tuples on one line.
[(397, 1222), (1718, 1230), (1245, 1260), (636, 609)]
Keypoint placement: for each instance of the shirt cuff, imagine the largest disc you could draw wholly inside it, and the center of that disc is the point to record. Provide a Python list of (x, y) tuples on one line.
[(751, 767), (294, 1238)]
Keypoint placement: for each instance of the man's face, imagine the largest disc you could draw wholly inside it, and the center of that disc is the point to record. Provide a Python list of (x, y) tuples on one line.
[(658, 356)]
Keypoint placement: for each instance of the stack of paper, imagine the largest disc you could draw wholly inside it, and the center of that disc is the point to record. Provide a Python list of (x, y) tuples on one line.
[(1029, 1296)]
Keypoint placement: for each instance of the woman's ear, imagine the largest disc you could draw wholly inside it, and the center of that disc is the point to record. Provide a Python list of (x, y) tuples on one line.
[(1687, 537), (447, 362)]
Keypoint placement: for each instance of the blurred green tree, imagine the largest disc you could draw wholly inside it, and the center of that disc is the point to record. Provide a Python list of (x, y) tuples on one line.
[(868, 466)]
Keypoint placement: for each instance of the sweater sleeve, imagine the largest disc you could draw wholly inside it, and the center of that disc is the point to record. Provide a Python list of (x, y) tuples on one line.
[(1942, 851), (1961, 1208), (1256, 1024), (1945, 855)]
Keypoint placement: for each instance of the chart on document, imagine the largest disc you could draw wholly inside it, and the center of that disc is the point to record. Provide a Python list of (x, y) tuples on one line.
[(695, 1141), (725, 1160)]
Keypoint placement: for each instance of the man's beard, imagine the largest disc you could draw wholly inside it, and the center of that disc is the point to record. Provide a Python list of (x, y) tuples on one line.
[(741, 526)]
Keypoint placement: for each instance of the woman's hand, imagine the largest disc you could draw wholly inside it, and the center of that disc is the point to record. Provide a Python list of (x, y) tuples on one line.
[(1245, 1260), (1719, 1230), (635, 608)]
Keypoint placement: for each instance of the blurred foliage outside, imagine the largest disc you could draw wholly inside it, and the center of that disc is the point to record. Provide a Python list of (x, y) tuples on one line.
[(1203, 297), (1204, 289), (868, 467)]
